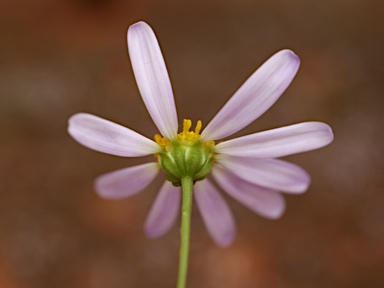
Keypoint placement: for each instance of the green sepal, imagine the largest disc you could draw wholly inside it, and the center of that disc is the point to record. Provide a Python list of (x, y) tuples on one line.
[(183, 160)]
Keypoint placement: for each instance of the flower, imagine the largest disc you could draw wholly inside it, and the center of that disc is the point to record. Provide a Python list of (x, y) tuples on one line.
[(246, 167)]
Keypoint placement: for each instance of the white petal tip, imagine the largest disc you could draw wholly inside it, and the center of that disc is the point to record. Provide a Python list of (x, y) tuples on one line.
[(228, 241), (139, 25), (302, 184), (73, 118), (102, 192), (302, 189), (275, 215), (289, 53), (330, 136)]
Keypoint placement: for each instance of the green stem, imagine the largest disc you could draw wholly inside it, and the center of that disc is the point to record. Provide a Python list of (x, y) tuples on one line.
[(185, 230)]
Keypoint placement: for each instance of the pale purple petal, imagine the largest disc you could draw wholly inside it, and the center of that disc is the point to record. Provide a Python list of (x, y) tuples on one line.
[(108, 137), (274, 174), (255, 96), (152, 78), (164, 210), (279, 142), (216, 214), (266, 202), (126, 182)]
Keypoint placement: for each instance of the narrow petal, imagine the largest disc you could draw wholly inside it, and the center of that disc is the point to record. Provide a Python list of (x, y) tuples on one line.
[(266, 202), (270, 173), (108, 137), (279, 142), (255, 96), (164, 211), (126, 182), (152, 78), (216, 214)]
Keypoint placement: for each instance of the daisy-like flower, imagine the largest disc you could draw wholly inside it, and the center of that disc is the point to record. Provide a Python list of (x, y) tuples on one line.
[(246, 167)]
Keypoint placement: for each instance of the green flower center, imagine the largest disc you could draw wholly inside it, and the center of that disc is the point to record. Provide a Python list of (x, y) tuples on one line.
[(186, 156)]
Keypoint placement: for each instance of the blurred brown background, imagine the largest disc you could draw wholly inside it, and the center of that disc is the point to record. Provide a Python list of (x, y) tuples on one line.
[(63, 57)]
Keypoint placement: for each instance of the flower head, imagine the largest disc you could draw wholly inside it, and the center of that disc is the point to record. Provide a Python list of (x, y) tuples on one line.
[(246, 167)]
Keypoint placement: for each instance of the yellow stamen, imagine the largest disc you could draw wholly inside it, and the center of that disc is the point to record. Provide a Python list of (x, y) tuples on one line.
[(187, 124), (198, 127), (163, 142), (189, 137), (185, 137), (210, 144)]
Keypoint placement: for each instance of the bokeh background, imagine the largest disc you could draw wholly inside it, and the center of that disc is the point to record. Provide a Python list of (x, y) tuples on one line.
[(62, 57)]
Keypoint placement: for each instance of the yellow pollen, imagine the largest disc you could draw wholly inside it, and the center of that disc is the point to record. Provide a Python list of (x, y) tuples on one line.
[(189, 137), (185, 137), (187, 124), (209, 143), (198, 126), (163, 142)]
